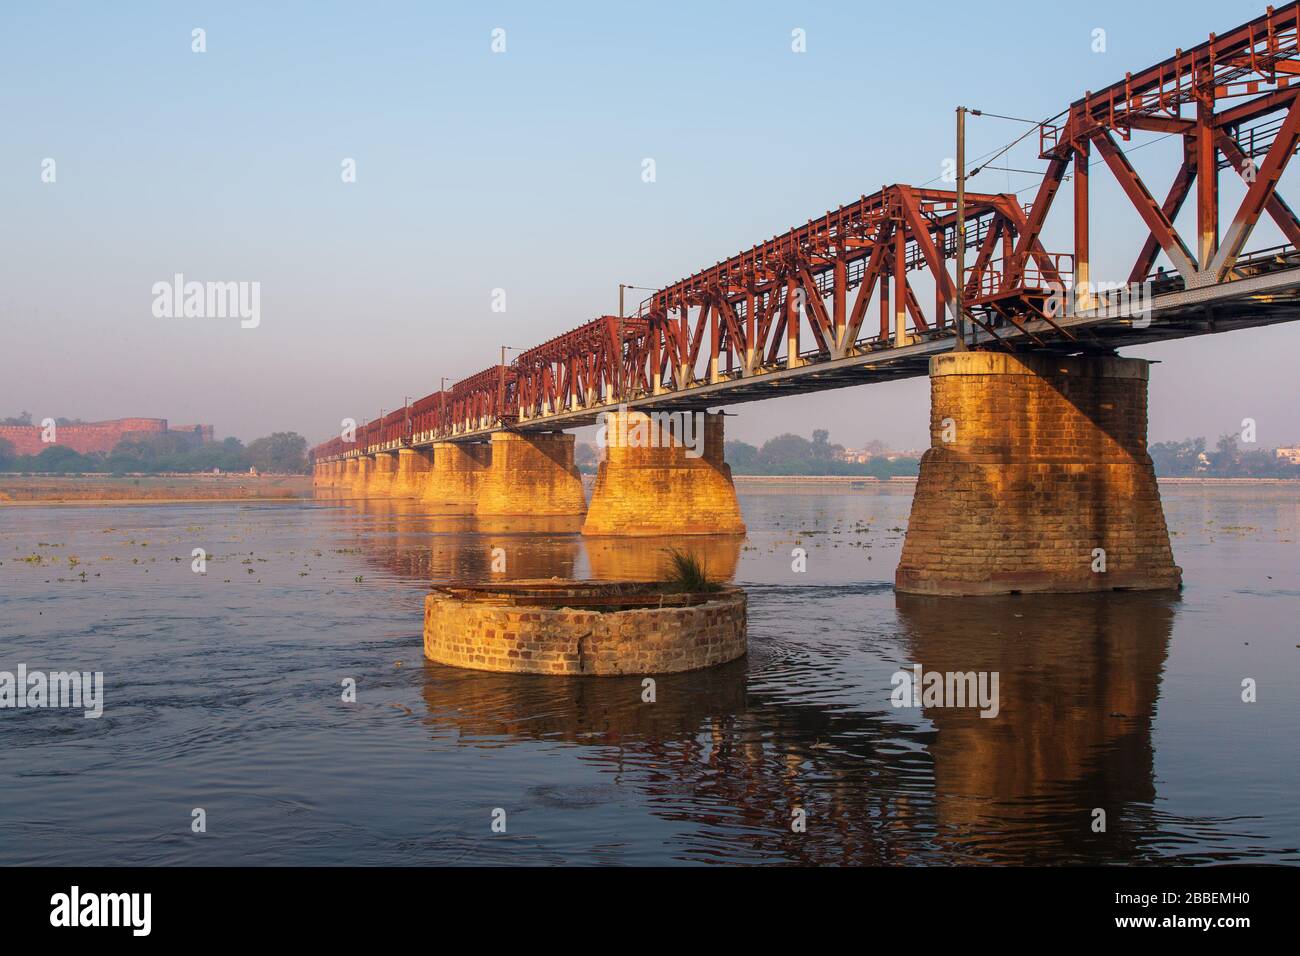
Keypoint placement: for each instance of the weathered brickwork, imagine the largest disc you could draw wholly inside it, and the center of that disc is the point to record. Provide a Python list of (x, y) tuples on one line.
[(458, 470), (328, 475), (650, 486), (469, 630), (382, 475), (640, 491), (202, 433), (513, 475), (413, 468), (1047, 461), (96, 436), (442, 473), (364, 481), (531, 474)]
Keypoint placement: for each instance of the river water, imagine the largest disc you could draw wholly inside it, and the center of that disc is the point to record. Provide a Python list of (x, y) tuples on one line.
[(223, 693)]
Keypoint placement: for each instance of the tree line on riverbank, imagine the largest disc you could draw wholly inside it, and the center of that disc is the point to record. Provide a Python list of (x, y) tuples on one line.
[(279, 453), (785, 454), (794, 455), (1189, 458)]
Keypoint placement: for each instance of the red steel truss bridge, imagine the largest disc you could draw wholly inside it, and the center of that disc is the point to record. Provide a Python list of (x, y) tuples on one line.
[(867, 291)]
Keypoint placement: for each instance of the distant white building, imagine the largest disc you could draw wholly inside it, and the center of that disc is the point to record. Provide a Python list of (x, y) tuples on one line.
[(1290, 455), (864, 455)]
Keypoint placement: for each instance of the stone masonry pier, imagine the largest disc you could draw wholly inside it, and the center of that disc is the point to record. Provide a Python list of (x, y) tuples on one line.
[(444, 474), (324, 476), (413, 468), (363, 478), (383, 475), (531, 474), (458, 470), (658, 479), (1037, 479)]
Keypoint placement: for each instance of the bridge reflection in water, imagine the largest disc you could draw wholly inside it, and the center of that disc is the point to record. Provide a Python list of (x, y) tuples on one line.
[(1079, 684), (731, 751), (1079, 681), (409, 542)]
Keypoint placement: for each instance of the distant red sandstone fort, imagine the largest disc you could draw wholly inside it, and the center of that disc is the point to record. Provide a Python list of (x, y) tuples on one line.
[(96, 436)]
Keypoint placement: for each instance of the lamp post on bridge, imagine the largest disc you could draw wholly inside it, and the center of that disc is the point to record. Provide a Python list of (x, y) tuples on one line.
[(442, 404), (501, 384), (960, 229)]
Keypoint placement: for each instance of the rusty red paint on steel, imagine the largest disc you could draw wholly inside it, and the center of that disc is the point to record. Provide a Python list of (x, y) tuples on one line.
[(576, 367), (805, 295)]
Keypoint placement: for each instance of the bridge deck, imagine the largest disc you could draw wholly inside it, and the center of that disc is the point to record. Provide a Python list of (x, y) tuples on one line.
[(1270, 296)]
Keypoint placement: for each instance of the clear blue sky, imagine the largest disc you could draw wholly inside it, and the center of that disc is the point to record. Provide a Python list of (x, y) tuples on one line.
[(519, 171)]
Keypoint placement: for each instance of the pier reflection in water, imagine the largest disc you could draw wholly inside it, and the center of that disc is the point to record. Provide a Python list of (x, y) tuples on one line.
[(224, 694), (463, 548), (1079, 676)]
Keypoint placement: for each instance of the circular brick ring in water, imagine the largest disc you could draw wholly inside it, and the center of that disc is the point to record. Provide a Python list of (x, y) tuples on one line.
[(583, 627)]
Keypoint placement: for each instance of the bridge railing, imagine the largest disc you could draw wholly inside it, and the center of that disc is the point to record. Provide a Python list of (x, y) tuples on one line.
[(989, 282)]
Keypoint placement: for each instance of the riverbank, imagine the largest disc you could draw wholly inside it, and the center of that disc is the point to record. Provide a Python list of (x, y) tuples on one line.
[(150, 489)]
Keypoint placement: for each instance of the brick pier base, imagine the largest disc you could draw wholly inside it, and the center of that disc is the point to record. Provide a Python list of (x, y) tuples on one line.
[(322, 475), (382, 475), (583, 627), (1034, 464), (458, 471), (531, 474), (413, 466), (360, 475), (649, 485)]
